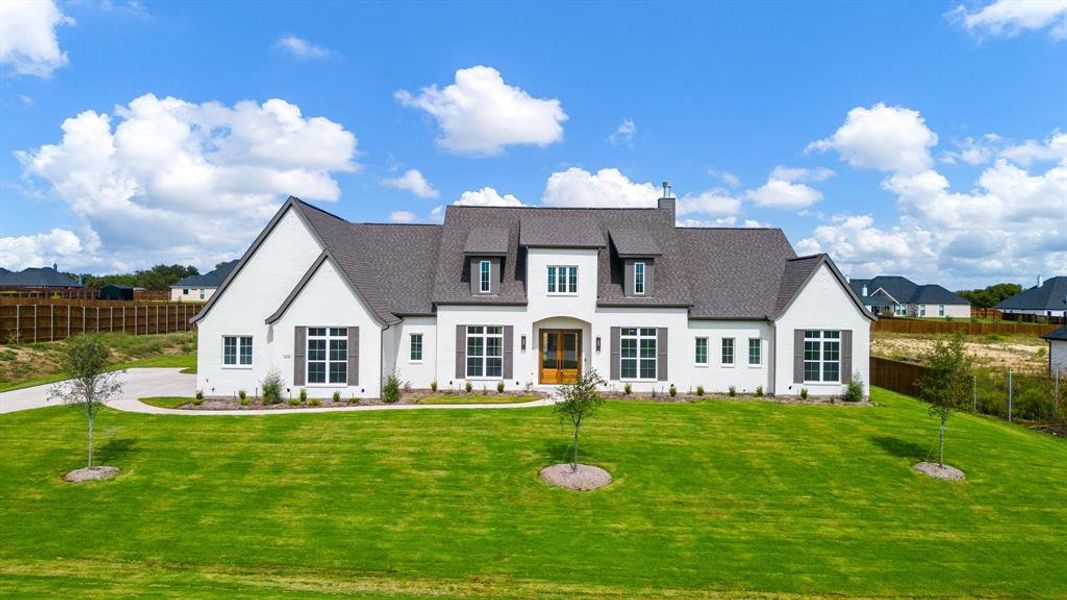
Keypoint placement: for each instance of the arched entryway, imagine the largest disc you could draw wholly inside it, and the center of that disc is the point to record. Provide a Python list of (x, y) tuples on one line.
[(562, 348)]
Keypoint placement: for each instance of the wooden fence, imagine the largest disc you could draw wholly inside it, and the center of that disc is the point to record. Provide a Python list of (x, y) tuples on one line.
[(889, 324), (30, 321), (898, 376), (40, 294)]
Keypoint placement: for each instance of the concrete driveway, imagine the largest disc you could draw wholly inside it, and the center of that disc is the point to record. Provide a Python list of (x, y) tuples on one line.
[(141, 383)]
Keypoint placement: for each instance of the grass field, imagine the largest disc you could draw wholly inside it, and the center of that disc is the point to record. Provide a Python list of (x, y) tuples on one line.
[(711, 499)]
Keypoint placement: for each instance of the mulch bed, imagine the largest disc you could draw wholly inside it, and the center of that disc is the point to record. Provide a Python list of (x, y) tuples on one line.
[(406, 397), (680, 397), (586, 478), (947, 472), (91, 474)]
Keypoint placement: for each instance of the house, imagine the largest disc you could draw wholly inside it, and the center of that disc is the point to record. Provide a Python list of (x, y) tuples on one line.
[(893, 295), (529, 297), (1048, 299), (114, 291), (199, 288), (1057, 352), (37, 277)]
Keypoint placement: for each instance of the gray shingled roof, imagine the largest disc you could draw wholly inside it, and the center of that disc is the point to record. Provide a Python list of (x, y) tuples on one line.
[(545, 229), (1049, 296), (36, 277), (211, 279), (904, 291), (634, 243), (487, 241), (1058, 334)]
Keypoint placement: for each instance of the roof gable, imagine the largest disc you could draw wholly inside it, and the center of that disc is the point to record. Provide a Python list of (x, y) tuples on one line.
[(1049, 296), (37, 277), (798, 273)]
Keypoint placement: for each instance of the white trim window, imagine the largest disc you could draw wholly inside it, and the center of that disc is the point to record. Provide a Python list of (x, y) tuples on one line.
[(922, 310), (639, 279), (415, 353), (327, 356), (940, 310), (485, 274), (822, 356), (728, 351), (637, 356), (562, 279), (900, 310), (755, 352), (237, 351), (700, 350), (485, 352)]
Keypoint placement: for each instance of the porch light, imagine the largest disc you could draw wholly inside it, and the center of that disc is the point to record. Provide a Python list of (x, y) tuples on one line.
[(522, 343), (598, 343)]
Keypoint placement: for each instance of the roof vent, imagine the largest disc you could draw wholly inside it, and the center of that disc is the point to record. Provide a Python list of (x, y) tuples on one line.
[(865, 291), (1040, 281), (667, 201)]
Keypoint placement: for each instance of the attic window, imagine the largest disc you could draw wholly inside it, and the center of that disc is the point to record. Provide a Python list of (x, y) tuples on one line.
[(639, 278), (484, 273)]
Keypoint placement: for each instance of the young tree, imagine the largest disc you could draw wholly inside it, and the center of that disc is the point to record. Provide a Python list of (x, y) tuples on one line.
[(580, 400), (947, 386), (90, 387)]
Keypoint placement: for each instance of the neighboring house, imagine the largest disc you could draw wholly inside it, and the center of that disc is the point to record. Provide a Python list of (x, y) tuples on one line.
[(199, 288), (893, 295), (1048, 298), (37, 277), (528, 297), (1057, 351), (114, 291)]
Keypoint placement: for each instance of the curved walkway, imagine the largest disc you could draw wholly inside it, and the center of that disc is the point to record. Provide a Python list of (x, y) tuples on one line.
[(142, 383)]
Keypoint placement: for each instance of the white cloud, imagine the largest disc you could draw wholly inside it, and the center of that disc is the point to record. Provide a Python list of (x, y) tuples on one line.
[(28, 36), (783, 193), (709, 202), (486, 196), (725, 176), (624, 135), (1008, 18), (40, 250), (801, 174), (973, 151), (412, 181), (730, 221), (1053, 148), (605, 188), (479, 114), (402, 216), (177, 181), (887, 138), (301, 48)]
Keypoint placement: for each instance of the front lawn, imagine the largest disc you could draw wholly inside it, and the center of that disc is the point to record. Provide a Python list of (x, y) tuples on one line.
[(709, 498)]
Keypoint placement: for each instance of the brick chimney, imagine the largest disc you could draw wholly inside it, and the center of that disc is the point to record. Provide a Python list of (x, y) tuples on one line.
[(667, 201)]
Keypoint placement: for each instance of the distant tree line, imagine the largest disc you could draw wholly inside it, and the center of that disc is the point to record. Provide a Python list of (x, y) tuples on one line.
[(159, 277), (990, 296)]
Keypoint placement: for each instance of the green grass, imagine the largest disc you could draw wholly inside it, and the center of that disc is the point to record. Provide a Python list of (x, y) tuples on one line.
[(186, 361), (710, 499), (477, 399), (168, 401)]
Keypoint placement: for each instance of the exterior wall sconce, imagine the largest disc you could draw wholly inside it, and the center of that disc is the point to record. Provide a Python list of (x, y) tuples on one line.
[(522, 343), (598, 343)]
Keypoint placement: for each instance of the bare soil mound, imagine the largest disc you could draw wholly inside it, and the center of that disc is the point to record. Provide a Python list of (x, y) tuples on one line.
[(586, 478)]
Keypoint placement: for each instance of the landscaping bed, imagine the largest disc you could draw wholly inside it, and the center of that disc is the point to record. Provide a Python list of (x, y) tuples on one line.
[(406, 397)]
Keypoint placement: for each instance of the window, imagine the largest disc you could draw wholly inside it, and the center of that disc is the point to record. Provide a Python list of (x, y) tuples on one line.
[(727, 351), (638, 353), (899, 310), (940, 310), (701, 351), (416, 347), (485, 351), (185, 292), (237, 351), (562, 280), (201, 294), (755, 352), (485, 270), (327, 355), (822, 356), (639, 278)]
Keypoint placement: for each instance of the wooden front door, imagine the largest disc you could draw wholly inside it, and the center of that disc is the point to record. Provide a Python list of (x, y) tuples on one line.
[(561, 355)]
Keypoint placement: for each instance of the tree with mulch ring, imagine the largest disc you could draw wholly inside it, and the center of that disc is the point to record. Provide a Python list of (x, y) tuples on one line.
[(580, 400), (945, 388), (89, 389)]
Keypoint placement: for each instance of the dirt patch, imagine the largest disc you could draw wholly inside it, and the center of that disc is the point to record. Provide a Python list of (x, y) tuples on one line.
[(947, 472), (586, 478), (91, 474), (1024, 355)]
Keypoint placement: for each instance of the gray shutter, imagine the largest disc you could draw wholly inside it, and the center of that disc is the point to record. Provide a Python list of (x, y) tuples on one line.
[(661, 353), (798, 356), (461, 351), (846, 355), (509, 355), (474, 275), (613, 370), (650, 277), (300, 335), (494, 276), (353, 356)]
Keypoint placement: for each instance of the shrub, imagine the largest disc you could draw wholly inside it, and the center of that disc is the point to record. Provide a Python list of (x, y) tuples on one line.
[(198, 400), (700, 390), (272, 386), (732, 391), (627, 389), (199, 394), (500, 387), (854, 389), (803, 393), (245, 400), (303, 395), (335, 397), (759, 391), (433, 386), (673, 391), (242, 394), (467, 386), (294, 402), (391, 389), (316, 402)]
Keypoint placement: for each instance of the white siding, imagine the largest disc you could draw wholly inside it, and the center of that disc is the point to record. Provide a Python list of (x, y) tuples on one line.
[(717, 377), (398, 349), (177, 295), (822, 304), (1057, 354)]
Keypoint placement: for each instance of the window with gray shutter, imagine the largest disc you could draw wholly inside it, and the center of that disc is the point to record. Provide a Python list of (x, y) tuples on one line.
[(353, 356), (798, 356), (846, 355), (461, 351), (509, 355), (661, 353), (299, 354), (613, 370)]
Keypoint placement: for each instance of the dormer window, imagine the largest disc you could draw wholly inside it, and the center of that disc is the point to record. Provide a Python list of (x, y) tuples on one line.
[(562, 279), (485, 271), (639, 278)]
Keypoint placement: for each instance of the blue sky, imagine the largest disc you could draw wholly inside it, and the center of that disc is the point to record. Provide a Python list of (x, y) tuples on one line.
[(921, 139)]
